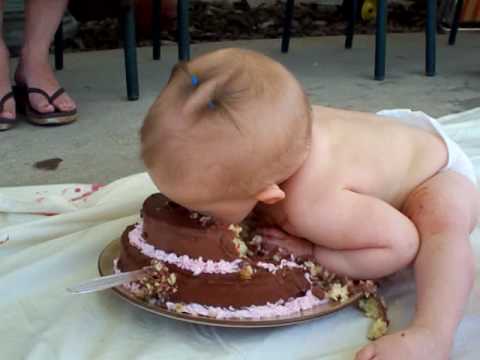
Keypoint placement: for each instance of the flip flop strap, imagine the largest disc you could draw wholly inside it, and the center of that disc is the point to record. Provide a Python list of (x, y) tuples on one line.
[(7, 121), (50, 98), (56, 94), (4, 99)]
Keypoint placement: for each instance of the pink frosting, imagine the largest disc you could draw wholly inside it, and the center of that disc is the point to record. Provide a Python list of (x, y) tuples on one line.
[(196, 266), (283, 263), (280, 308)]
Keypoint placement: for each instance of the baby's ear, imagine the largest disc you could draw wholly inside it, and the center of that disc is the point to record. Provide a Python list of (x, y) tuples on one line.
[(271, 195)]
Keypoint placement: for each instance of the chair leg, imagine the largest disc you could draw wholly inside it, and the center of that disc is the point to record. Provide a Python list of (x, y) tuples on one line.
[(381, 40), (351, 23), (156, 27), (430, 33), (456, 20), (182, 30), (130, 50), (58, 47), (287, 25)]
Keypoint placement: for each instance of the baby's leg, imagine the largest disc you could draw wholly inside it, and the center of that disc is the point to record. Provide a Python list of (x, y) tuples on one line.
[(444, 209)]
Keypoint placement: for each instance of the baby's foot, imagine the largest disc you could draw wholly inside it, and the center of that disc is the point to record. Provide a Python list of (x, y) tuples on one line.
[(274, 237), (411, 344)]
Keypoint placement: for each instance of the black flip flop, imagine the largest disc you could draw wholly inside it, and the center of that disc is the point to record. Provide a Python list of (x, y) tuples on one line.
[(6, 123), (56, 117)]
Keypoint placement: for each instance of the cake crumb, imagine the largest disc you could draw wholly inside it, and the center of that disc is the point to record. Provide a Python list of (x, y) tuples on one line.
[(246, 272), (375, 308), (370, 307), (368, 287), (314, 269), (179, 308), (237, 229), (240, 246), (378, 328), (338, 292), (158, 284), (172, 279)]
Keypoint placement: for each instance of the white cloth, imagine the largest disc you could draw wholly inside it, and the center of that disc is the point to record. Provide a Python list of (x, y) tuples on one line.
[(45, 254), (458, 161)]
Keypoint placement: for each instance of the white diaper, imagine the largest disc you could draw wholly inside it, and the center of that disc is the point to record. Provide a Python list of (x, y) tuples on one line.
[(457, 159)]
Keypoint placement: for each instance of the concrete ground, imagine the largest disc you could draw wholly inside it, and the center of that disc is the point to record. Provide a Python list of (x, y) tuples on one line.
[(103, 145)]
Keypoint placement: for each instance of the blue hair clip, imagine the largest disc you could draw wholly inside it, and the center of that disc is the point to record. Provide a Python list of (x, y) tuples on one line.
[(195, 80)]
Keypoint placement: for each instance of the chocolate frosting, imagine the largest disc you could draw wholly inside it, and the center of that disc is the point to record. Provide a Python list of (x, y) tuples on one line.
[(223, 289), (174, 229)]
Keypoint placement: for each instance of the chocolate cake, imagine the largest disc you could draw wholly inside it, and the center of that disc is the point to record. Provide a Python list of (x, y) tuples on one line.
[(198, 266)]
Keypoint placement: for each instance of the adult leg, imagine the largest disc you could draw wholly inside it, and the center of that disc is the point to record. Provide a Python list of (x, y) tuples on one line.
[(42, 18), (5, 86)]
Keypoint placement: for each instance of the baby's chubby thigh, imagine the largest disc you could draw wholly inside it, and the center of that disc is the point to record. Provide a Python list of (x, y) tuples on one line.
[(447, 203)]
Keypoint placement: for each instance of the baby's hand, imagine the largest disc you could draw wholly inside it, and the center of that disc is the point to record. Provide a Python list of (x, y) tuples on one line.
[(415, 343), (275, 237)]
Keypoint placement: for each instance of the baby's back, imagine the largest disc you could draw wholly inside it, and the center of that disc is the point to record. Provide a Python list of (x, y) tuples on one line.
[(376, 155)]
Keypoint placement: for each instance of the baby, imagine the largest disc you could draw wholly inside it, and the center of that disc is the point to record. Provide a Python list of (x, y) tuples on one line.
[(366, 195)]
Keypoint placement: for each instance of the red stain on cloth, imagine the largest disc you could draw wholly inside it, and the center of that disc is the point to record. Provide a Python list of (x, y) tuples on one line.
[(93, 188)]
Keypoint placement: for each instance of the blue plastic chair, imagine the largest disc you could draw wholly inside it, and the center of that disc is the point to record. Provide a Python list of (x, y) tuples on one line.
[(380, 34), (430, 37), (456, 21), (287, 24)]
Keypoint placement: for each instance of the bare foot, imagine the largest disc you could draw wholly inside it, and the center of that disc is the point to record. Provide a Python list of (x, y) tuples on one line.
[(5, 86), (411, 344), (39, 74), (294, 245)]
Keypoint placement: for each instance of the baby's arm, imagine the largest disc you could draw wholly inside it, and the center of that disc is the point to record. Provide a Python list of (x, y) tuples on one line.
[(359, 235)]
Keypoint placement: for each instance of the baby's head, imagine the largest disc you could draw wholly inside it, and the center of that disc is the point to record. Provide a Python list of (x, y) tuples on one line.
[(225, 131)]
